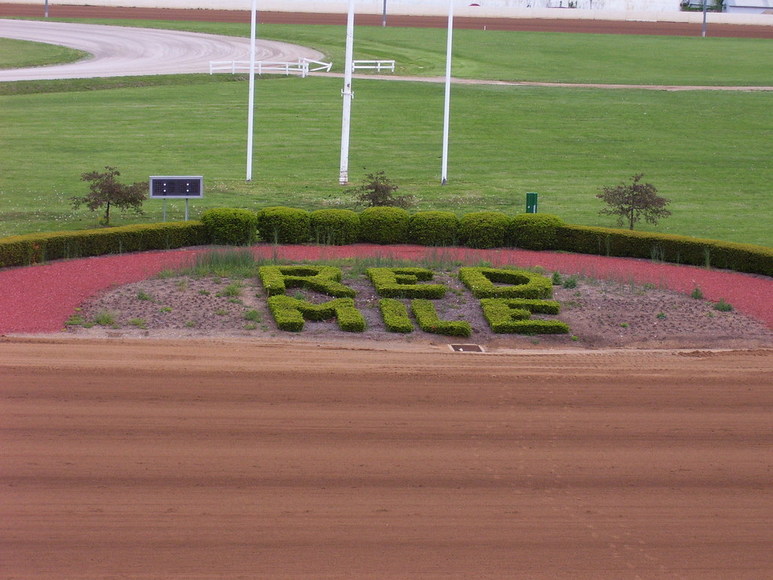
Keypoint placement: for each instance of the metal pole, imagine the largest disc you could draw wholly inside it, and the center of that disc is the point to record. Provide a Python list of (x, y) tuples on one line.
[(447, 108), (251, 98), (46, 10), (383, 15), (348, 95), (703, 29)]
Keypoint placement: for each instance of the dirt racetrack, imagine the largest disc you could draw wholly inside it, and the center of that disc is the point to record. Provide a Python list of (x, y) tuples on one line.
[(228, 459)]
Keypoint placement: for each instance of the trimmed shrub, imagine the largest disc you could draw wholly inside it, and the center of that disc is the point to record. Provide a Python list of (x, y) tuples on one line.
[(482, 282), (291, 313), (395, 315), (324, 279), (429, 321), (377, 190), (335, 227), (284, 225), (35, 248), (433, 228), (402, 283), (534, 231), (231, 226), (667, 248), (384, 225), (484, 229), (513, 316)]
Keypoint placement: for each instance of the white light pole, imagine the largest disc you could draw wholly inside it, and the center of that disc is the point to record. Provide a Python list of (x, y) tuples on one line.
[(251, 98), (383, 15), (447, 108), (46, 9), (348, 95)]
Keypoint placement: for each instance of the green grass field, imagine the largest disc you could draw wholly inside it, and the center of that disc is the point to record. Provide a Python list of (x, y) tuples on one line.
[(709, 152), (20, 53), (532, 56)]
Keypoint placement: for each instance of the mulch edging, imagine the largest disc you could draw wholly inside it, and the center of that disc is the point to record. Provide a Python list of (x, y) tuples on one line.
[(40, 298)]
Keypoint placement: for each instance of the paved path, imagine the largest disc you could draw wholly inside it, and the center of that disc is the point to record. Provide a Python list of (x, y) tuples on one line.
[(459, 81), (123, 51)]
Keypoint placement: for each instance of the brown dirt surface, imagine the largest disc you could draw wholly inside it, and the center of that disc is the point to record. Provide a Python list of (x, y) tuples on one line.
[(524, 24), (243, 459), (600, 314)]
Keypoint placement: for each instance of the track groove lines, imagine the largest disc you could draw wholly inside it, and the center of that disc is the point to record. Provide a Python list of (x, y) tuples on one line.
[(198, 459)]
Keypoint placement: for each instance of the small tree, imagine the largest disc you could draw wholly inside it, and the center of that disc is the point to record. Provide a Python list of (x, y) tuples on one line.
[(630, 202), (105, 191), (377, 190)]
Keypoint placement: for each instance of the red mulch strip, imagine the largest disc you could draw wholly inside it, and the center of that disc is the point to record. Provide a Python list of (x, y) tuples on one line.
[(41, 298)]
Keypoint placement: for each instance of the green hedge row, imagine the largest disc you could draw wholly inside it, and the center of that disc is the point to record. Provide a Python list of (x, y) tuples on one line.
[(231, 226), (387, 225), (490, 229), (36, 248), (665, 248)]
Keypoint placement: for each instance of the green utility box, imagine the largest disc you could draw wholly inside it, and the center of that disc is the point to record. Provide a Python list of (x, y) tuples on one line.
[(531, 202)]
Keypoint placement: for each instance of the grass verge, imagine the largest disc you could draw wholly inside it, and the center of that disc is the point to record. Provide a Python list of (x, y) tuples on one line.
[(706, 151)]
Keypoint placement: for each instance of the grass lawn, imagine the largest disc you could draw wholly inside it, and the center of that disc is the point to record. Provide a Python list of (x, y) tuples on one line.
[(709, 152), (20, 53)]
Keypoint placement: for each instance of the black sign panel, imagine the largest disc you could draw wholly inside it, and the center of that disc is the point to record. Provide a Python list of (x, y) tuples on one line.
[(176, 187)]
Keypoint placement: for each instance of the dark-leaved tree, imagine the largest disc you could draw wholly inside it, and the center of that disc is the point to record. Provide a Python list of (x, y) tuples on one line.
[(632, 201), (105, 191), (377, 190)]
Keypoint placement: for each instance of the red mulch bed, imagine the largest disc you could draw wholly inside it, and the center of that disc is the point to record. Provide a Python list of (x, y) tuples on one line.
[(41, 298)]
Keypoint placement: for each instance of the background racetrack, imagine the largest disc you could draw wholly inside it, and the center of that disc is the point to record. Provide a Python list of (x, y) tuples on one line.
[(535, 24)]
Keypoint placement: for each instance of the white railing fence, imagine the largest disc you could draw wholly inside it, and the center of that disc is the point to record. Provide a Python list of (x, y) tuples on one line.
[(377, 65), (301, 67)]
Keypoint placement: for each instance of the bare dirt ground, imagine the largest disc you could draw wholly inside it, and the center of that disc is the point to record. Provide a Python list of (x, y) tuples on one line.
[(244, 459)]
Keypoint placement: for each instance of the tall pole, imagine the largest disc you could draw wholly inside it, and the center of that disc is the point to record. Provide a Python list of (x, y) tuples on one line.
[(251, 99), (447, 108), (703, 28), (348, 95), (46, 9), (383, 15)]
